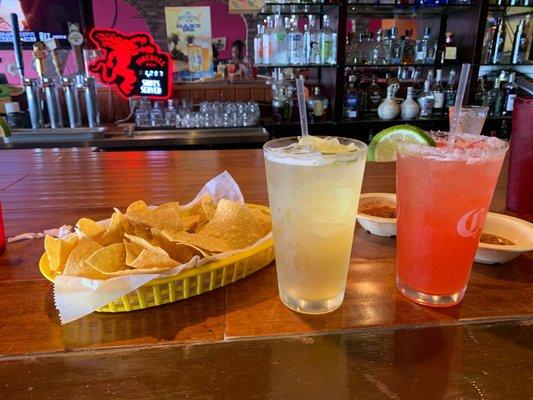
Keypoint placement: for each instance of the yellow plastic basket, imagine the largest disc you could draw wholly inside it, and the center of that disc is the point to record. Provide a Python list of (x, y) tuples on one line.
[(189, 283)]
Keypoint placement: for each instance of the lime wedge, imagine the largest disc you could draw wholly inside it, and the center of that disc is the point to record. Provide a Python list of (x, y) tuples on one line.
[(5, 131), (383, 146)]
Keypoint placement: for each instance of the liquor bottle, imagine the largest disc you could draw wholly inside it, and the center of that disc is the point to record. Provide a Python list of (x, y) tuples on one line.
[(267, 42), (409, 107), (352, 104), (426, 48), (258, 45), (509, 95), (451, 90), (367, 46), (449, 53), (489, 41), (481, 95), (280, 48), (296, 43), (417, 87), (426, 101), (519, 43), (408, 49), (438, 95), (351, 43), (389, 109), (170, 113), (395, 47), (499, 41), (317, 105), (374, 96), (379, 50), (328, 42), (495, 99), (312, 42)]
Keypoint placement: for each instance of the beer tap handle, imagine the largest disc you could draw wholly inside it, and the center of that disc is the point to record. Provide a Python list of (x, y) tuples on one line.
[(16, 45), (53, 46), (39, 54)]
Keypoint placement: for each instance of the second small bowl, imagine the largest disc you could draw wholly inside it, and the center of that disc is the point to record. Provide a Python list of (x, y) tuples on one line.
[(379, 226)]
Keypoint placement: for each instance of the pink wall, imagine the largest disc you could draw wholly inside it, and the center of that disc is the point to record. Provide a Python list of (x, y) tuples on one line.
[(128, 18)]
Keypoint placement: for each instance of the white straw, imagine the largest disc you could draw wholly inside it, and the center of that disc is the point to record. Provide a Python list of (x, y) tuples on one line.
[(302, 108), (463, 80)]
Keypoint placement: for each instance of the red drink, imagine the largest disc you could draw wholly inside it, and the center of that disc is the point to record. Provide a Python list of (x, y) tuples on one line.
[(520, 187), (443, 198)]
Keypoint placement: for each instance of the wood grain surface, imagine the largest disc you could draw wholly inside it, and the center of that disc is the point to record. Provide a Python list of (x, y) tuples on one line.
[(42, 189)]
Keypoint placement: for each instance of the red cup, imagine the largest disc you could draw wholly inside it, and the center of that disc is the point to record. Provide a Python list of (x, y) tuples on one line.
[(2, 232), (519, 186)]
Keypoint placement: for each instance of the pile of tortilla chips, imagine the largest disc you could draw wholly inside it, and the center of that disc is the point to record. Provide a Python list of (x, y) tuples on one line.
[(153, 240)]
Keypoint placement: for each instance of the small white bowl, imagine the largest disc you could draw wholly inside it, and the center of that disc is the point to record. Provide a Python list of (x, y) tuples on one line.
[(516, 230), (377, 225)]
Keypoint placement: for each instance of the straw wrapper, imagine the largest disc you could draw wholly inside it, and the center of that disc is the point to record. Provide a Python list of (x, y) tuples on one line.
[(76, 297)]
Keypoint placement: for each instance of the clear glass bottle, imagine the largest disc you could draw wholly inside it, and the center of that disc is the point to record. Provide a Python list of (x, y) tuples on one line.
[(408, 49), (498, 45), (282, 98), (429, 47), (328, 42), (449, 53), (426, 101), (438, 95), (374, 95), (170, 113), (267, 41), (317, 105), (258, 45), (352, 100), (312, 42), (451, 90), (519, 43), (280, 48), (296, 43), (395, 47), (379, 49), (156, 115), (351, 43), (509, 95)]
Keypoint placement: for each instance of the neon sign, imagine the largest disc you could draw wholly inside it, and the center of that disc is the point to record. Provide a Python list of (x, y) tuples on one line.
[(132, 63)]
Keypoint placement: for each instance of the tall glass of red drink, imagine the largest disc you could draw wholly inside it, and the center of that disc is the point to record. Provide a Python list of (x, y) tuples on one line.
[(444, 194)]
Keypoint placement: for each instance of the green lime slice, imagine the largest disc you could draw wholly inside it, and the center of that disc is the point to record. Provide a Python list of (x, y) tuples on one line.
[(383, 146), (5, 131)]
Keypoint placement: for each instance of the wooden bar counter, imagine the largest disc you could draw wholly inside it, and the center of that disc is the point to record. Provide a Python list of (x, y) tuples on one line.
[(240, 342)]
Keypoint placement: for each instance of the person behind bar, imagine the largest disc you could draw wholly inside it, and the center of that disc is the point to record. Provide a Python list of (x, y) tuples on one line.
[(242, 65)]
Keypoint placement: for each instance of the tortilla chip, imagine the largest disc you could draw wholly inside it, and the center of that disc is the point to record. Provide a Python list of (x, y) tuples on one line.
[(210, 244), (118, 226), (138, 206), (190, 222), (132, 251), (148, 260), (58, 250), (166, 216), (234, 224), (177, 251), (90, 228), (109, 259), (76, 263), (146, 245), (263, 218)]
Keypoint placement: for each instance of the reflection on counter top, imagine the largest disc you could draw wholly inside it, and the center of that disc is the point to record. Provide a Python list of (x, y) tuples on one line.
[(125, 136)]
